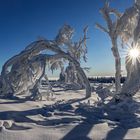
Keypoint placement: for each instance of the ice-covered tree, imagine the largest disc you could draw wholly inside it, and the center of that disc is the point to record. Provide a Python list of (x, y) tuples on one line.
[(77, 50), (24, 71), (131, 34), (111, 30), (126, 27)]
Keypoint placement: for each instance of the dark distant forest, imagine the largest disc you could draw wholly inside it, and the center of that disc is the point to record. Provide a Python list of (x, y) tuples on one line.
[(104, 79), (100, 79)]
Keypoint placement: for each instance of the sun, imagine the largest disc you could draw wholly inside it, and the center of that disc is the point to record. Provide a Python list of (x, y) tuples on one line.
[(131, 53), (134, 53)]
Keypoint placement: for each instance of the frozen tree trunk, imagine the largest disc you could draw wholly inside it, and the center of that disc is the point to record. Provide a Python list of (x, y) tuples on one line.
[(62, 77), (7, 89), (117, 57), (81, 73), (132, 83), (85, 80), (71, 76), (36, 95), (79, 70), (69, 73), (111, 30), (117, 65)]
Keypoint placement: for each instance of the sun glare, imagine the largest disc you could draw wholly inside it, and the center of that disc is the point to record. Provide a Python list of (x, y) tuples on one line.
[(134, 53), (131, 53)]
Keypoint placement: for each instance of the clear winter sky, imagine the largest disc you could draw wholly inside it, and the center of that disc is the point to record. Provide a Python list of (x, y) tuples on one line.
[(23, 21)]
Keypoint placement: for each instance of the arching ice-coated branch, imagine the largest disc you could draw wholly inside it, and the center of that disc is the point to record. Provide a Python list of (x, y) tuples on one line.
[(25, 70)]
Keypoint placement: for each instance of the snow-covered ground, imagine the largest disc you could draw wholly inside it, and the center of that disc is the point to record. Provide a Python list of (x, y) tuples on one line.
[(67, 117)]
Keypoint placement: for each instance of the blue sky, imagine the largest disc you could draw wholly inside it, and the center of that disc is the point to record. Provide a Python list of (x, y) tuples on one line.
[(23, 21)]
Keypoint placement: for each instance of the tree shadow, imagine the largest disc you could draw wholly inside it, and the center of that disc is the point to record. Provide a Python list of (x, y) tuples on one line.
[(90, 116), (124, 124), (82, 130), (117, 133), (79, 132), (121, 123), (60, 90), (126, 120), (13, 100), (23, 116), (19, 116), (18, 127)]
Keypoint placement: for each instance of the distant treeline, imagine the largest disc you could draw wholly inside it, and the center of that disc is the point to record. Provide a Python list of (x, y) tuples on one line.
[(105, 79), (100, 80)]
